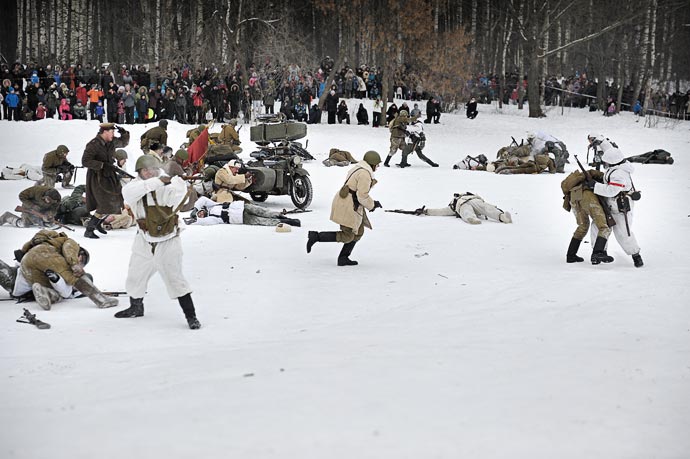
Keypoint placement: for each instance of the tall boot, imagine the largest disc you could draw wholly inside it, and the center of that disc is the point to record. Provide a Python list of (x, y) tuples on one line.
[(599, 254), (99, 225), (290, 221), (90, 227), (187, 306), (324, 236), (8, 275), (9, 218), (135, 309), (45, 296), (345, 252), (571, 256), (86, 286), (388, 161)]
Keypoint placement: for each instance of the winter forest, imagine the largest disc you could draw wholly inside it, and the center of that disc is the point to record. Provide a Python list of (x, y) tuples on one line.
[(443, 47)]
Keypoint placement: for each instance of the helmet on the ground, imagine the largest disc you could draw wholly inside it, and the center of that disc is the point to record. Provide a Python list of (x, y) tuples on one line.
[(53, 195), (120, 154), (372, 158), (85, 254), (147, 162), (613, 156)]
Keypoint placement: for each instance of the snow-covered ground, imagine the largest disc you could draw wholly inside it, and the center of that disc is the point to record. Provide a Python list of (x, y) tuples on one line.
[(447, 341)]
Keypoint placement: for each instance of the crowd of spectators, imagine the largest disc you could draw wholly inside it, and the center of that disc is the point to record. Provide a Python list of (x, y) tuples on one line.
[(137, 94)]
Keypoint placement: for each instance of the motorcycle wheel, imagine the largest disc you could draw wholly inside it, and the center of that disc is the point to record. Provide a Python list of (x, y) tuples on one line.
[(259, 197), (301, 191)]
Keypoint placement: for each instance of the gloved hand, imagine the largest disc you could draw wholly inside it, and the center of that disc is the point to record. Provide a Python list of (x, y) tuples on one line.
[(120, 130), (165, 179), (589, 183), (52, 275), (78, 270), (18, 255), (420, 211), (377, 205)]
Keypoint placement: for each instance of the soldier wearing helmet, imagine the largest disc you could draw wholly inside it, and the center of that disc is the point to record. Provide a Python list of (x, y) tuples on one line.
[(398, 128), (54, 163), (52, 269), (617, 188), (155, 201), (349, 209), (39, 203)]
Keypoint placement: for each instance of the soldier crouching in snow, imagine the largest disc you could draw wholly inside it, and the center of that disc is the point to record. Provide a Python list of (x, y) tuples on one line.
[(467, 206), (155, 201), (52, 266), (39, 203)]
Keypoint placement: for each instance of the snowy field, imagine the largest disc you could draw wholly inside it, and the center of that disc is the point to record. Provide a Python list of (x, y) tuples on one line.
[(447, 341)]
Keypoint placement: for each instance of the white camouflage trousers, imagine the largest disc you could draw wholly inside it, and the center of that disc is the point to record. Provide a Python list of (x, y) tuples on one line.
[(620, 231), (470, 211), (162, 257)]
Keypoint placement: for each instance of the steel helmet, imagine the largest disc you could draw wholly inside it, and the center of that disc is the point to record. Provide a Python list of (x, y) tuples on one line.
[(372, 158), (147, 162), (613, 156)]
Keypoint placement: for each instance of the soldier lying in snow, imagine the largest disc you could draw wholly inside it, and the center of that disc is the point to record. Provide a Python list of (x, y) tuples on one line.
[(467, 206), (51, 268), (337, 157), (208, 212)]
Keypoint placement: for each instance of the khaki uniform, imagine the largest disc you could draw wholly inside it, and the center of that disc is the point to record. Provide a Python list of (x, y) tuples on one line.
[(229, 136), (49, 250), (53, 164), (32, 198), (397, 129), (154, 135), (353, 221), (228, 182), (584, 204), (338, 157)]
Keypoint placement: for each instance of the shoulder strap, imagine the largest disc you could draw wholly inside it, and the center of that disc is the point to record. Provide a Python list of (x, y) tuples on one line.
[(353, 173)]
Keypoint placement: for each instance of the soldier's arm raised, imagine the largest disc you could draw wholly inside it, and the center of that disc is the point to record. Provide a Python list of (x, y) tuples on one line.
[(137, 189)]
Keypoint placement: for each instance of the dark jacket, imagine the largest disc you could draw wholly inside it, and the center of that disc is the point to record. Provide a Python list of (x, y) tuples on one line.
[(103, 189)]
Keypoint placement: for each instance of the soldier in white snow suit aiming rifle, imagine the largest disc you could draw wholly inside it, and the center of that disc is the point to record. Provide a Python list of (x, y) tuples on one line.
[(155, 200)]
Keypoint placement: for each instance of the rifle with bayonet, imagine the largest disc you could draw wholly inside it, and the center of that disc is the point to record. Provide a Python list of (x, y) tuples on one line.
[(28, 318), (43, 217), (604, 205)]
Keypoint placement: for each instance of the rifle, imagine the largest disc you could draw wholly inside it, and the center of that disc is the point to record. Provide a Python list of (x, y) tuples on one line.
[(74, 175), (45, 218), (191, 178), (419, 211), (123, 173), (604, 205), (115, 293), (28, 318)]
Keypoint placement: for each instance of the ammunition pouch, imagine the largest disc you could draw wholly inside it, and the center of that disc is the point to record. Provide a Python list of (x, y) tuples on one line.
[(635, 195), (623, 203)]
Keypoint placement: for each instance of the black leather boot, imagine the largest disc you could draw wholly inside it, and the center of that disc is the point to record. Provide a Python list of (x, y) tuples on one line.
[(637, 259), (387, 162), (344, 257), (99, 225), (290, 221), (135, 309), (599, 254), (324, 236), (571, 256), (90, 227), (187, 306)]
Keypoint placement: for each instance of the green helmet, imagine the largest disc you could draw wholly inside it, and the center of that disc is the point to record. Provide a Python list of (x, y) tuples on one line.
[(182, 154), (147, 162), (120, 154), (210, 173), (62, 150), (372, 158)]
